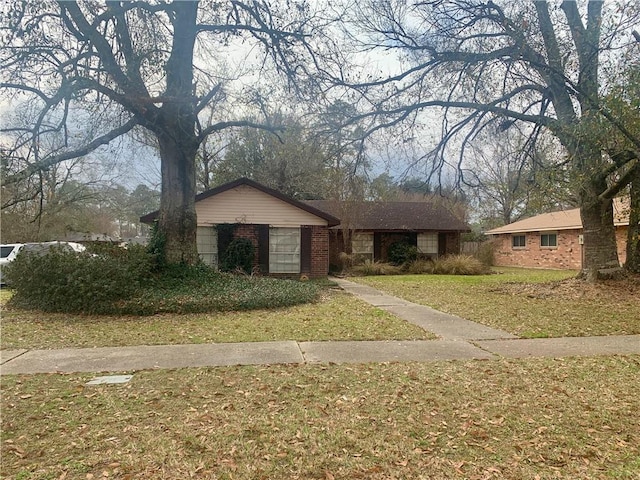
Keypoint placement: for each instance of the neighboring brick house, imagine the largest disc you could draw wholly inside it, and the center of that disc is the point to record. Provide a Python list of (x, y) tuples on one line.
[(291, 238), (551, 240), (368, 229)]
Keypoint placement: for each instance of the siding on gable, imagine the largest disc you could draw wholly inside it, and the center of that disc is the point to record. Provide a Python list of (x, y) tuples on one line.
[(245, 204)]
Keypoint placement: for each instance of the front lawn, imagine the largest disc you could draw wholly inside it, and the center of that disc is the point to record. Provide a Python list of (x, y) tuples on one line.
[(510, 419), (336, 316), (526, 302)]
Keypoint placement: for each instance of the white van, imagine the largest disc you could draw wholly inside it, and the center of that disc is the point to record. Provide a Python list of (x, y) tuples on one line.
[(10, 251)]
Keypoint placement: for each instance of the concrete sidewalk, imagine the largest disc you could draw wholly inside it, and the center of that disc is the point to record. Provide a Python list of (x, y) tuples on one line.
[(460, 339), (143, 357)]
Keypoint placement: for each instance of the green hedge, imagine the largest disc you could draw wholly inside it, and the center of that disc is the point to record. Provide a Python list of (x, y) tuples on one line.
[(128, 282), (75, 282)]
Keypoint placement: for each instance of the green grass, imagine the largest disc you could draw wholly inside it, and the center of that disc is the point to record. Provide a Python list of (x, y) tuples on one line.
[(337, 316), (510, 419), (526, 302)]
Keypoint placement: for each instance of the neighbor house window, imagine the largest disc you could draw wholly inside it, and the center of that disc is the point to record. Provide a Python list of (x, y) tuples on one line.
[(428, 243), (518, 241), (207, 241), (549, 240), (284, 250), (362, 246)]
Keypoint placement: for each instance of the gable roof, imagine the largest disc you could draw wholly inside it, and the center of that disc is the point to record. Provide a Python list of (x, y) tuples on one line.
[(562, 220), (411, 216), (331, 220)]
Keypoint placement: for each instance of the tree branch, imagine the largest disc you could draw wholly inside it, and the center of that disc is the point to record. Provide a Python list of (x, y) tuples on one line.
[(79, 152), (235, 124)]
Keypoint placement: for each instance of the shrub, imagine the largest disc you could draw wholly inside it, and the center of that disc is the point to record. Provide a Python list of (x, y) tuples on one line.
[(347, 260), (402, 252), (239, 255), (71, 282), (201, 290), (485, 253), (156, 247), (420, 266), (376, 268), (459, 265)]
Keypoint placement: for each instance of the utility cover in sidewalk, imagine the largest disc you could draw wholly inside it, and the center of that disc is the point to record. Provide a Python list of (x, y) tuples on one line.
[(110, 379)]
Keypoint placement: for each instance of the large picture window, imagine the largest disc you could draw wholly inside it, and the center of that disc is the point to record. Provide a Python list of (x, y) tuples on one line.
[(362, 246), (207, 241), (549, 240), (428, 243), (518, 241), (284, 250)]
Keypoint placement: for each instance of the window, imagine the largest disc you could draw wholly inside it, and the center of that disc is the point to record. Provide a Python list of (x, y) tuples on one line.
[(549, 240), (6, 250), (362, 246), (207, 241), (284, 250), (428, 243), (518, 241)]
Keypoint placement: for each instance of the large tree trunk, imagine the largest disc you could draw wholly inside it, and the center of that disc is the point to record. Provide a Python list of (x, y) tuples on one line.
[(178, 142), (600, 251), (177, 221), (633, 235)]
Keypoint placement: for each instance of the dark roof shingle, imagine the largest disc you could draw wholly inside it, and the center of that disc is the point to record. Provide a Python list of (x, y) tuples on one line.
[(412, 216)]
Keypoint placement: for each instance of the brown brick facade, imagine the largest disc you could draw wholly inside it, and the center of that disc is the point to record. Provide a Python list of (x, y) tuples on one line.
[(567, 255), (319, 262), (319, 251), (249, 231)]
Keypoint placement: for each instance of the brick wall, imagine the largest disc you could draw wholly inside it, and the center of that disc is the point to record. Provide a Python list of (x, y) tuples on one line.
[(319, 248), (319, 251), (621, 240), (567, 255), (250, 231)]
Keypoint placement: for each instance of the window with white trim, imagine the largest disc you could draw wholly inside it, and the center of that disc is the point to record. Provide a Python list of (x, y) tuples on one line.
[(284, 250), (428, 243), (362, 246), (207, 242), (518, 241), (549, 240)]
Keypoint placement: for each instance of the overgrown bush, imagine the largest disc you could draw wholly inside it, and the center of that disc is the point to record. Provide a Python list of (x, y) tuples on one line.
[(346, 259), (449, 265), (375, 268), (402, 252), (460, 265), (126, 283), (239, 255), (420, 266), (156, 247), (70, 282), (485, 252)]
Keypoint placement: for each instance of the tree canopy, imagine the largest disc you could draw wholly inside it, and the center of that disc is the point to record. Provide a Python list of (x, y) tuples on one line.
[(538, 66), (90, 72)]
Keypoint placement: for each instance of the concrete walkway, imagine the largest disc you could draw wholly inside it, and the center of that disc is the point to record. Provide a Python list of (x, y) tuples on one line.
[(442, 324), (460, 339)]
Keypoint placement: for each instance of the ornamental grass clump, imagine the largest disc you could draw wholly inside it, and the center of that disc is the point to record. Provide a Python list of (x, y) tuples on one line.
[(460, 265), (375, 268)]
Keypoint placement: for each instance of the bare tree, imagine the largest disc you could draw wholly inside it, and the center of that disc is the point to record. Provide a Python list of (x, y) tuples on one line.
[(510, 64), (511, 179), (140, 65)]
